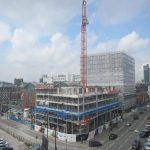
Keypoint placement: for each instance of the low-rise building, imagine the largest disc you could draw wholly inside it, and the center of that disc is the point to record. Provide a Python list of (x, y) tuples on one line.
[(10, 96), (141, 93), (69, 78), (29, 93)]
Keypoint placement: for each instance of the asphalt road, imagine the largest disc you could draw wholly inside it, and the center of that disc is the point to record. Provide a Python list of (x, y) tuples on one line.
[(126, 135), (13, 142)]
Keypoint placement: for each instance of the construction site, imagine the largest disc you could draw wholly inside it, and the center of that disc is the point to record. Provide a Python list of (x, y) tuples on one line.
[(78, 113), (75, 112)]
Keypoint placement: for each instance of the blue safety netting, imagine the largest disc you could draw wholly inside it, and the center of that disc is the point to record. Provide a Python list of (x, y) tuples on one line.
[(63, 113)]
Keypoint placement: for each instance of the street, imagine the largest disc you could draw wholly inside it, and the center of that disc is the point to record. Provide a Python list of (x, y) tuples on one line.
[(126, 135)]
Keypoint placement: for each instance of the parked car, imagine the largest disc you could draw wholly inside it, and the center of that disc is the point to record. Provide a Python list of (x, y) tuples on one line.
[(3, 142), (1, 139), (136, 145), (147, 146), (8, 148), (93, 143), (148, 140), (147, 126), (2, 146), (144, 134), (113, 136)]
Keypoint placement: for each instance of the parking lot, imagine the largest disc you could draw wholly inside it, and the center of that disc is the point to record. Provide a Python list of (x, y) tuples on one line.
[(12, 141)]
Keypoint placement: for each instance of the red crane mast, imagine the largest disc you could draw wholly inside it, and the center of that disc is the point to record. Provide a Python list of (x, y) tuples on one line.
[(83, 57)]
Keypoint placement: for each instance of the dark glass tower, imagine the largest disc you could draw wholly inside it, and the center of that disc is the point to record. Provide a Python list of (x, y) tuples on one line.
[(146, 73)]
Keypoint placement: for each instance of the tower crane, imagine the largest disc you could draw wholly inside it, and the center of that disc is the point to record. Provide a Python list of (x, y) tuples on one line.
[(83, 57)]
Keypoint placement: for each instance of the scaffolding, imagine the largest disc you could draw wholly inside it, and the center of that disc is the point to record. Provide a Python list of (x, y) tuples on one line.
[(77, 114), (113, 69)]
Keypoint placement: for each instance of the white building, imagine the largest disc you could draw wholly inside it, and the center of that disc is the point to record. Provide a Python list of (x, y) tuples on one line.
[(61, 78), (113, 69)]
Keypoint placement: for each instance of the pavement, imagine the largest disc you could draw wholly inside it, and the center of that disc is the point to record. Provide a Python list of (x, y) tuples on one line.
[(13, 142)]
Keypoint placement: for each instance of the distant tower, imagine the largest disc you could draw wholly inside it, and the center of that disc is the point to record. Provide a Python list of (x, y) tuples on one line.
[(83, 57), (146, 73)]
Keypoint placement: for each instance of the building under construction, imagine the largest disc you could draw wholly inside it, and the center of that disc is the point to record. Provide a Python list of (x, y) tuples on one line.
[(74, 113), (113, 69)]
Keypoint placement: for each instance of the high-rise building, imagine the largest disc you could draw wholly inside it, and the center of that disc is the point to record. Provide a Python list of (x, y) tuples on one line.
[(113, 69), (146, 73)]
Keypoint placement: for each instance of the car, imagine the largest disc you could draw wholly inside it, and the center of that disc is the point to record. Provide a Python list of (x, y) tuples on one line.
[(7, 148), (148, 140), (141, 112), (136, 145), (2, 146), (93, 143), (113, 136), (128, 124), (147, 127), (3, 142), (144, 134), (147, 146), (1, 139), (135, 117)]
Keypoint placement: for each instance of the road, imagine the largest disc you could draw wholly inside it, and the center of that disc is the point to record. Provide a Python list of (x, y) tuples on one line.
[(12, 141), (126, 135), (27, 133)]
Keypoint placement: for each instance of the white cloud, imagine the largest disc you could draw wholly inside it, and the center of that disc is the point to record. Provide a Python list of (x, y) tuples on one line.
[(60, 54), (46, 17), (134, 45), (119, 11), (5, 32), (22, 38), (133, 42)]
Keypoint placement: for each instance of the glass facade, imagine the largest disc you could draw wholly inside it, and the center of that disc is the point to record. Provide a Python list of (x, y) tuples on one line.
[(146, 73)]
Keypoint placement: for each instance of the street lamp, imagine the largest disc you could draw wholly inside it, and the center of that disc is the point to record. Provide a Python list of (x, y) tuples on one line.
[(55, 138), (65, 130), (66, 142)]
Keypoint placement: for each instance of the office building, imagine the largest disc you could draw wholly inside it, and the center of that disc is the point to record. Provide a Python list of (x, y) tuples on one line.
[(146, 74)]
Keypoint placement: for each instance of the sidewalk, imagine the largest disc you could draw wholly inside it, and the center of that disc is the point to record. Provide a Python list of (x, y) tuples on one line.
[(25, 134)]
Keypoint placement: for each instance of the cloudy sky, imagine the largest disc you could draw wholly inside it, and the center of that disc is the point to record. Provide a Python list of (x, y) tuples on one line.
[(43, 36)]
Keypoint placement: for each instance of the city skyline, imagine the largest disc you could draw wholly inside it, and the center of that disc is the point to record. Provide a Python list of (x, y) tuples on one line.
[(43, 37)]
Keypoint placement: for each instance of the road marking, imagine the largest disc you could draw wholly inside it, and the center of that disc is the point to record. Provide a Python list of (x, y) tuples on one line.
[(126, 140), (111, 145), (120, 146), (130, 147), (130, 135), (121, 128)]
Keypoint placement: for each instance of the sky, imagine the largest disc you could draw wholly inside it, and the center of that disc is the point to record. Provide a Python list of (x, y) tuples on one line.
[(43, 36)]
